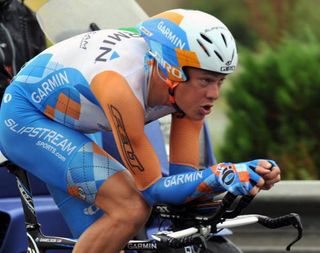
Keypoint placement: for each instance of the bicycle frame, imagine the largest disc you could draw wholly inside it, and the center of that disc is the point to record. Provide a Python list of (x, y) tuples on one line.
[(200, 230)]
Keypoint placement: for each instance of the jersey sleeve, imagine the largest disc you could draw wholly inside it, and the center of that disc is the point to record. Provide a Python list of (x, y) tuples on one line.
[(126, 116)]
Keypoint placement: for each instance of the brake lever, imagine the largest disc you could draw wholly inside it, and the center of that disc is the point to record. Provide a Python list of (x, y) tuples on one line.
[(286, 220), (297, 225)]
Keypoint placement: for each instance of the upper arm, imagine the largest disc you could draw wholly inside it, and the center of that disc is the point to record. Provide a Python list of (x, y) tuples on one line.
[(126, 117), (184, 141)]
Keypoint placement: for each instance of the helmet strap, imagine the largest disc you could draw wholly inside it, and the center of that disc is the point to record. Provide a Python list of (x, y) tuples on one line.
[(171, 88)]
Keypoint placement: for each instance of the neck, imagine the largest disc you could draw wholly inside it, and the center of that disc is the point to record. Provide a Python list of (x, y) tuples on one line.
[(158, 91)]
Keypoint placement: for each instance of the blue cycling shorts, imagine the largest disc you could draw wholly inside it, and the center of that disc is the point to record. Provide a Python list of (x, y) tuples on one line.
[(64, 158)]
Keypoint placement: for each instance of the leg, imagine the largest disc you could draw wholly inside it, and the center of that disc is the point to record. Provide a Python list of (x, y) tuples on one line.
[(94, 176), (126, 212), (68, 160)]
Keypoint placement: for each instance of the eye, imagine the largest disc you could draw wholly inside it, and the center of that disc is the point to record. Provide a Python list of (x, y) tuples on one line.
[(205, 81), (221, 81)]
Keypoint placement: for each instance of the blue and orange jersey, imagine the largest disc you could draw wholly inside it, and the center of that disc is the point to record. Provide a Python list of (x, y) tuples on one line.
[(98, 81), (77, 62)]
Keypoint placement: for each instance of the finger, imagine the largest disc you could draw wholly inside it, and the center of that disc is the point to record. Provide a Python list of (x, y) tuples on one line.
[(260, 183), (256, 180), (267, 186), (262, 170), (268, 164), (272, 174), (273, 180), (270, 183), (254, 191)]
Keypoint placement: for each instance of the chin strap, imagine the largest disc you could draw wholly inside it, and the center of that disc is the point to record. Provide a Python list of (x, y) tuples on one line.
[(171, 87)]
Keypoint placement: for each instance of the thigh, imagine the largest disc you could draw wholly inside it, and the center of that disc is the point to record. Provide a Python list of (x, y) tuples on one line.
[(78, 214), (39, 145), (60, 156)]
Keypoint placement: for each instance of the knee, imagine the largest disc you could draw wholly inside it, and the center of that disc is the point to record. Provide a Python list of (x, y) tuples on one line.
[(119, 198), (131, 210), (134, 211)]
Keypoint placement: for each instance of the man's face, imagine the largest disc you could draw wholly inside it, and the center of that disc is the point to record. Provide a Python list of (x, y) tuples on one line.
[(196, 96)]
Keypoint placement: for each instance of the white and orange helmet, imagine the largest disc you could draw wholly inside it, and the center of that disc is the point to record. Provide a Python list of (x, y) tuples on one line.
[(179, 38)]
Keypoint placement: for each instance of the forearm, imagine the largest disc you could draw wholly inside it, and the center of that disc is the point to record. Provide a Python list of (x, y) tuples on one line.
[(180, 188), (239, 178)]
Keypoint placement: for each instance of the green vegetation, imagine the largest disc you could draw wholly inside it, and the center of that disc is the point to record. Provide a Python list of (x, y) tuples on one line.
[(274, 108)]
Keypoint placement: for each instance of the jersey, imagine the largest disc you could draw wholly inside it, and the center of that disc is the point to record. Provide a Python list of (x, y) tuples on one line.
[(64, 73), (92, 82)]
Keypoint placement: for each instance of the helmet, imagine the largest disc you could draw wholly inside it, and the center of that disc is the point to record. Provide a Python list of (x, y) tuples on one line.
[(179, 38)]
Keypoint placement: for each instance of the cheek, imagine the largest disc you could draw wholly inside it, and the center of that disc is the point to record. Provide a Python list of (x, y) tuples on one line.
[(188, 95), (189, 101)]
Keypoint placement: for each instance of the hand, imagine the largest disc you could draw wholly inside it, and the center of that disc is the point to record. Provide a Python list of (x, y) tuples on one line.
[(239, 178), (268, 170)]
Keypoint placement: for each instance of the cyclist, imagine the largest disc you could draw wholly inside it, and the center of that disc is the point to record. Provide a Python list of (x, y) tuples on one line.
[(119, 80)]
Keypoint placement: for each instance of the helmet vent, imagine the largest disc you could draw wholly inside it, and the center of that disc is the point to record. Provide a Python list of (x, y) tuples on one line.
[(224, 39), (219, 56), (203, 47), (205, 38)]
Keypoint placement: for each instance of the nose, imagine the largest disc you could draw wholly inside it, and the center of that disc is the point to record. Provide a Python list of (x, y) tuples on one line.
[(213, 91)]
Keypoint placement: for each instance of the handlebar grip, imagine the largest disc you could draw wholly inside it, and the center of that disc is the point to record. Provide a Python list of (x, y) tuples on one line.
[(176, 243), (282, 221)]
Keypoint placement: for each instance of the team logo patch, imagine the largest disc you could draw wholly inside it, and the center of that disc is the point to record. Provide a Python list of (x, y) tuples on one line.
[(7, 98), (77, 192), (228, 174)]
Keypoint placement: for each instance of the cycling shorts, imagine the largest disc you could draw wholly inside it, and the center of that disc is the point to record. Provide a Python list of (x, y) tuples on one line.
[(62, 157)]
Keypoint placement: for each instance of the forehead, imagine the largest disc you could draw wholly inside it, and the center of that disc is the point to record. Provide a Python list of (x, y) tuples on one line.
[(197, 71)]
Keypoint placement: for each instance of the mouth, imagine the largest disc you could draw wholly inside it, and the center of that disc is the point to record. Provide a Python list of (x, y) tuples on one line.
[(206, 109)]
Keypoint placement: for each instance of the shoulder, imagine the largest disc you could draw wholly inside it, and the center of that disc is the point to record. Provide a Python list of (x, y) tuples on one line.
[(99, 46), (107, 38)]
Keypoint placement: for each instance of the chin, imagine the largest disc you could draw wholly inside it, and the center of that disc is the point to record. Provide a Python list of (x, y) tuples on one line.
[(195, 117)]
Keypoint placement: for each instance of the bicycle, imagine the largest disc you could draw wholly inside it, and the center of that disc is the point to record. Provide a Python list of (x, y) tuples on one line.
[(192, 225)]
